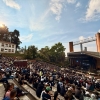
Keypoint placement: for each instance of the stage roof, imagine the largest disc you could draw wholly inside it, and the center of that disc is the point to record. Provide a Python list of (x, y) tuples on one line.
[(89, 53)]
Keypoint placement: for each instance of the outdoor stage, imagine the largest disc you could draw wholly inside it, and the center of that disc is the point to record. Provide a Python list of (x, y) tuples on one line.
[(84, 60)]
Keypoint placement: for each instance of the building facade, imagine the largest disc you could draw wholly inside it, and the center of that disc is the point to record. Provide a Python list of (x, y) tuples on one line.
[(7, 47)]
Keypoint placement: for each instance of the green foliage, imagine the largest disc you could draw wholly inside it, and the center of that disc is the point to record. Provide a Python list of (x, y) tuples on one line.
[(31, 52), (55, 54), (4, 33), (66, 63), (15, 38), (44, 53)]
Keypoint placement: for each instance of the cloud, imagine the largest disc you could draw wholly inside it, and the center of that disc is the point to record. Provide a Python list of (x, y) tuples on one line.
[(99, 30), (78, 4), (27, 17), (53, 34), (71, 1), (93, 10), (57, 18), (39, 23), (36, 26), (12, 4), (56, 8), (81, 38), (26, 38)]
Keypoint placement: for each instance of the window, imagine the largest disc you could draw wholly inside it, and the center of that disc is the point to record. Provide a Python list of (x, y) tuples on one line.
[(2, 49), (6, 45), (12, 46), (9, 45), (6, 50), (9, 50), (12, 50), (3, 44)]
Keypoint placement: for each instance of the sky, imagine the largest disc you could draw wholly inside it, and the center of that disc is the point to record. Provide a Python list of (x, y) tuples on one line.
[(46, 22)]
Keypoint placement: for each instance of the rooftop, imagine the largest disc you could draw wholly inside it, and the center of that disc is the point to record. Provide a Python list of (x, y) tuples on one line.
[(89, 53)]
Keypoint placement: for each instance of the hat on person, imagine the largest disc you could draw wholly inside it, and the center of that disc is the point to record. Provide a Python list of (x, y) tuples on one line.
[(48, 88)]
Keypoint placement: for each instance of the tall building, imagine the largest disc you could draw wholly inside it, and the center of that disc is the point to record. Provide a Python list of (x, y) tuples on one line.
[(7, 47)]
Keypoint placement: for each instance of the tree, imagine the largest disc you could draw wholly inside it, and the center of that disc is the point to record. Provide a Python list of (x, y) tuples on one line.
[(22, 50), (66, 62), (54, 54), (4, 33), (44, 53), (57, 53), (25, 48), (15, 38), (31, 52)]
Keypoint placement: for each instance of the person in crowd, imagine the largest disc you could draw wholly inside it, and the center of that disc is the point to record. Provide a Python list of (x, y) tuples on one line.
[(3, 77), (62, 90), (39, 89), (67, 82), (46, 94), (11, 96), (78, 93), (68, 95), (56, 95), (92, 86), (10, 87), (35, 83)]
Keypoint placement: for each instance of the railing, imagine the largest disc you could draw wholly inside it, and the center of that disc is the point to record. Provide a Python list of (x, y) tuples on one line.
[(85, 41)]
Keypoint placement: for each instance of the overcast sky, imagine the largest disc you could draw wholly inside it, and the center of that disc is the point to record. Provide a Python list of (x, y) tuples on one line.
[(46, 22)]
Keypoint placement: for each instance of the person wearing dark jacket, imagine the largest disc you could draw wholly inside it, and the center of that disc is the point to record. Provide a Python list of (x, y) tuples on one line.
[(62, 90), (58, 87), (56, 95), (35, 84), (46, 94), (39, 89)]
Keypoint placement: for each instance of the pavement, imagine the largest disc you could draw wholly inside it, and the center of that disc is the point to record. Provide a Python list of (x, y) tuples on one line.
[(30, 90), (2, 91)]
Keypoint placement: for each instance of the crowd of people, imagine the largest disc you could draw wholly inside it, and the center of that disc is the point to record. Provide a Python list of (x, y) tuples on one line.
[(44, 76)]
